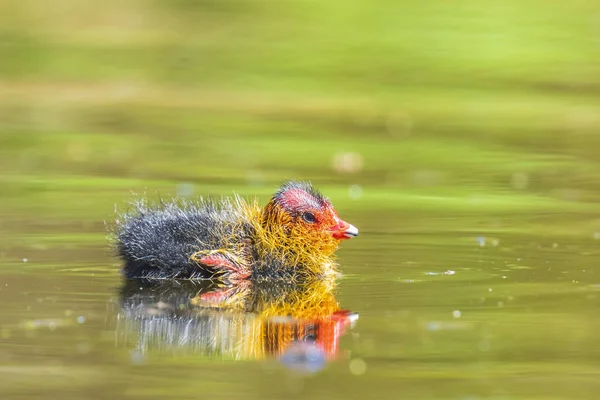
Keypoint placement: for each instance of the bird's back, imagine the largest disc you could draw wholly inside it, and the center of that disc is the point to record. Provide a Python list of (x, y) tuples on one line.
[(157, 242)]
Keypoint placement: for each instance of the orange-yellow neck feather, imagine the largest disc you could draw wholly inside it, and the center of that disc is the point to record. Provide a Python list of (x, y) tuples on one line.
[(294, 244)]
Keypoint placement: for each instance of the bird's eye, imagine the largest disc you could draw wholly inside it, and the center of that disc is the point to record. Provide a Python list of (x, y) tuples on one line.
[(309, 217)]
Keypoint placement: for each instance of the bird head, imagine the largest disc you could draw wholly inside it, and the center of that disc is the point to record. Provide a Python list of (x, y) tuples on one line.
[(302, 222)]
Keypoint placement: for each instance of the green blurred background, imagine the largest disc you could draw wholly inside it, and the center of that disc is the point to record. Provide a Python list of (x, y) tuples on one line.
[(461, 137), (447, 105)]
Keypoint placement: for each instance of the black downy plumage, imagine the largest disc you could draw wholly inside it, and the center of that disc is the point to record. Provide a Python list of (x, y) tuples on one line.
[(159, 241)]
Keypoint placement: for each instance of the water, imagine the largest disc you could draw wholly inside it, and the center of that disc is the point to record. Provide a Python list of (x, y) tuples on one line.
[(438, 315), (461, 139)]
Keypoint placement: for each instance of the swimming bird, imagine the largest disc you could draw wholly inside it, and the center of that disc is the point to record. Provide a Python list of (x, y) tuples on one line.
[(294, 237)]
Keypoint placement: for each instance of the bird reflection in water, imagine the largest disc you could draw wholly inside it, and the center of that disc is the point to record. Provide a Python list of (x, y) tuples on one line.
[(298, 324)]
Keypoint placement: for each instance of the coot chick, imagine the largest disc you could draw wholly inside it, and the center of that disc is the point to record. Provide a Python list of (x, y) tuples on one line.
[(294, 236)]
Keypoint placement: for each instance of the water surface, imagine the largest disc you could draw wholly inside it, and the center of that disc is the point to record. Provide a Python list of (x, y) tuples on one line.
[(461, 138), (441, 315)]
